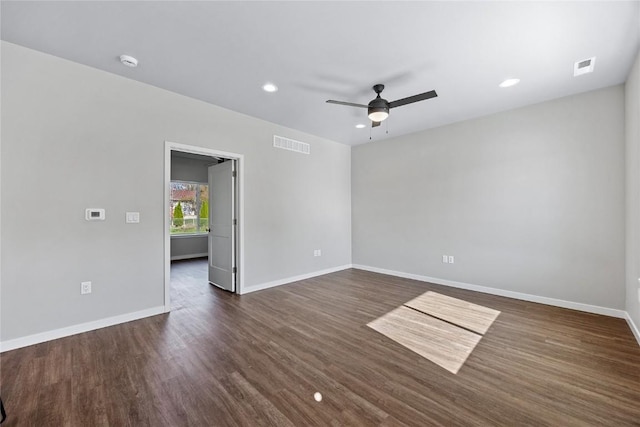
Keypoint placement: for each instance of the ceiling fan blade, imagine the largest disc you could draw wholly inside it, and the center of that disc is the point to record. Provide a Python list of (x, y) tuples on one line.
[(375, 124), (412, 99), (349, 104)]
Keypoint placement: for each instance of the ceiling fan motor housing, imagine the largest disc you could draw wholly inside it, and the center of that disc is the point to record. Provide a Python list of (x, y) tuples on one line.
[(378, 105)]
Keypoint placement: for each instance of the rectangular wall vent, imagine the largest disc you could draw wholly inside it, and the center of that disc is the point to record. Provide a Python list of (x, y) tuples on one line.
[(585, 63), (291, 145), (584, 66)]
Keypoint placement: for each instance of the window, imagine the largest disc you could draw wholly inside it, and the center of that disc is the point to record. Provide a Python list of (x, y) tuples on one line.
[(189, 207)]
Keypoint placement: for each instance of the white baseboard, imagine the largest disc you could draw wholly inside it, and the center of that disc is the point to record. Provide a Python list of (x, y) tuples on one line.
[(634, 327), (279, 282), (189, 256), (501, 292), (77, 329)]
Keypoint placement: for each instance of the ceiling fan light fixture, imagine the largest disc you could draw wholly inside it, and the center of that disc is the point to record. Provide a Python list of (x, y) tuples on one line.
[(378, 114)]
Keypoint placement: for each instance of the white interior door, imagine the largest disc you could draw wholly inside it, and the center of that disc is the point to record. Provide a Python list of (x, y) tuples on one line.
[(221, 225)]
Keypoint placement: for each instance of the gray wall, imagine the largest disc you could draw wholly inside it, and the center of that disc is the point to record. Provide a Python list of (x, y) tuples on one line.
[(185, 247), (529, 200), (632, 128), (75, 137), (185, 169)]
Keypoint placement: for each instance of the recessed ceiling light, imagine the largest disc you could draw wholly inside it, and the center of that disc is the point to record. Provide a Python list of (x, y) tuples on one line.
[(509, 82), (270, 87), (361, 126), (129, 61)]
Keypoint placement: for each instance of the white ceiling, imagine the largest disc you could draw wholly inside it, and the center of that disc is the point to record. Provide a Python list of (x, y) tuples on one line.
[(223, 52)]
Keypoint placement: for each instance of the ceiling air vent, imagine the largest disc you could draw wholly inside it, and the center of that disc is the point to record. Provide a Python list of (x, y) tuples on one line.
[(583, 67), (291, 145)]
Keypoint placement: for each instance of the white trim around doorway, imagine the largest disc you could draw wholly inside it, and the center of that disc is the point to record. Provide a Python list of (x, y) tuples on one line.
[(174, 146)]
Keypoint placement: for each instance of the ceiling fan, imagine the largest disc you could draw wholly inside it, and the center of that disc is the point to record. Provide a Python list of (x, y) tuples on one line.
[(378, 108)]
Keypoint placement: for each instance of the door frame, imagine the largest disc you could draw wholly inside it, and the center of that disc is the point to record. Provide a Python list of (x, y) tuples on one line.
[(239, 158)]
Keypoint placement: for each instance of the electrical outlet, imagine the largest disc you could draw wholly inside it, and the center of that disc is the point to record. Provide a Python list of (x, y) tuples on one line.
[(445, 259), (85, 288), (317, 252), (451, 259), (132, 217)]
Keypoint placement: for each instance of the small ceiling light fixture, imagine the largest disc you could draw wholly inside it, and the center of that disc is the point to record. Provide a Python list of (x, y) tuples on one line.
[(270, 87), (509, 82), (129, 61), (361, 126)]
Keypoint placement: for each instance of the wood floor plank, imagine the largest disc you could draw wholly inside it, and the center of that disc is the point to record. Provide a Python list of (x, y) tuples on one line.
[(220, 359), (471, 316)]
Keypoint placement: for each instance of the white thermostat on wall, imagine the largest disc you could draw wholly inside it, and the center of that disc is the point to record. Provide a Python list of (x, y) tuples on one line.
[(94, 214)]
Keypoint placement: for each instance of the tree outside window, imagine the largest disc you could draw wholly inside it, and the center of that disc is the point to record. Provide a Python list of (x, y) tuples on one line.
[(189, 207)]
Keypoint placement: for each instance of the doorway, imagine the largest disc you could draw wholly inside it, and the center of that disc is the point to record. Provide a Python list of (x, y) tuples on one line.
[(224, 237)]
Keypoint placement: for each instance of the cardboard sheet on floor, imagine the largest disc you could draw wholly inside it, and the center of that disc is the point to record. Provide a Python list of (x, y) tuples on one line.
[(442, 343), (462, 313)]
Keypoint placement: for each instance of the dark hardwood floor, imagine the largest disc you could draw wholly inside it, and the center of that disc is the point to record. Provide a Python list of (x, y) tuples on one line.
[(220, 359)]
